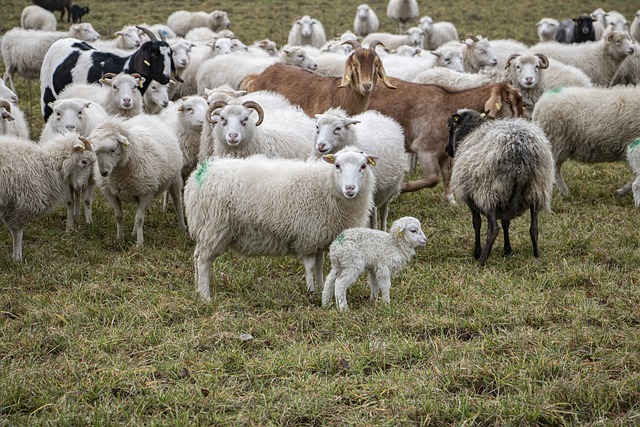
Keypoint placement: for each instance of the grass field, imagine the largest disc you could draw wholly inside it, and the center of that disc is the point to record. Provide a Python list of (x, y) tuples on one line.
[(99, 332)]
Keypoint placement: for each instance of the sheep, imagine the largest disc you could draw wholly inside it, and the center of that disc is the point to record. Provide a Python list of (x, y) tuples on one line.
[(316, 94), (155, 98), (23, 51), (8, 94), (615, 21), (71, 61), (39, 179), (599, 22), (53, 5), (477, 54), (525, 73), (629, 70), (371, 132), (77, 12), (559, 74), (599, 60), (128, 38), (182, 21), (422, 111), (567, 117), (366, 20), (161, 29), (137, 159), (576, 30), (408, 68), (501, 169), (411, 37), (547, 29), (634, 162), (634, 29), (306, 31), (382, 255), (402, 11), (229, 205), (12, 121), (436, 33), (37, 18), (181, 51), (268, 46), (79, 115)]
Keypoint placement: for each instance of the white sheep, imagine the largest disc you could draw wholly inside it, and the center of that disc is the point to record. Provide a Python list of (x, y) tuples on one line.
[(23, 50), (633, 157), (229, 205), (477, 54), (366, 20), (437, 33), (39, 179), (526, 73), (634, 29), (7, 94), (615, 21), (588, 125), (12, 120), (559, 74), (181, 50), (599, 60), (547, 29), (127, 39), (501, 169), (269, 46), (156, 97), (306, 31), (410, 68), (138, 159), (382, 255), (402, 11), (38, 18), (411, 37), (629, 71), (182, 21), (372, 132)]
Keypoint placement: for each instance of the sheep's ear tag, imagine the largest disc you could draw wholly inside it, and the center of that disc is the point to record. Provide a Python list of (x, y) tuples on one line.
[(398, 232), (372, 160), (124, 141), (329, 158), (456, 118)]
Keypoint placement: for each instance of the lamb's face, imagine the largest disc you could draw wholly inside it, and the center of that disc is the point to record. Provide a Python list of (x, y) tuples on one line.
[(219, 19), (69, 116), (130, 36), (414, 35), (81, 165), (181, 55), (351, 170), (84, 31), (451, 59), (619, 44), (483, 54), (332, 133), (547, 29), (305, 26), (409, 229), (299, 57)]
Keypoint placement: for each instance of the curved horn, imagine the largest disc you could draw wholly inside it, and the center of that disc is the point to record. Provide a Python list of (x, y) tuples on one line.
[(544, 61), (212, 108), (148, 32), (258, 108), (86, 142), (108, 76), (136, 75), (511, 58), (162, 37), (375, 43), (5, 104), (354, 43)]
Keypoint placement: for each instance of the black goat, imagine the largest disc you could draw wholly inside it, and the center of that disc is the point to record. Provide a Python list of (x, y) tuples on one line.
[(77, 12)]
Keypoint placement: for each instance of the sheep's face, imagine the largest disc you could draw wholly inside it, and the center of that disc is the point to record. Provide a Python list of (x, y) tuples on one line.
[(219, 19), (333, 133), (547, 29), (110, 149), (426, 24), (451, 59), (69, 116), (129, 37), (193, 111), (235, 124), (299, 57), (157, 95), (414, 36), (123, 90), (584, 25), (305, 25), (481, 53), (363, 12), (181, 54), (409, 230), (352, 170), (619, 44), (222, 46), (526, 70), (269, 46), (80, 164), (84, 31)]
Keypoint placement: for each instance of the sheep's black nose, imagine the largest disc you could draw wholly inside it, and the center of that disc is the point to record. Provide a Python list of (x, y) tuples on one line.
[(104, 173)]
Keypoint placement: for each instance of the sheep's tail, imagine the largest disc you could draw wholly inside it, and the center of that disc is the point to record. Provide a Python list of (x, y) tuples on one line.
[(247, 82)]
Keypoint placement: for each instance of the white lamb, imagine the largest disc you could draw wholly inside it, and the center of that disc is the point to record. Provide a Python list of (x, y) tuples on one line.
[(437, 33), (382, 255), (372, 132), (230, 205), (155, 98), (39, 179), (23, 50), (182, 21), (138, 159), (366, 21), (411, 37), (12, 120), (38, 18), (402, 11), (306, 31), (7, 94)]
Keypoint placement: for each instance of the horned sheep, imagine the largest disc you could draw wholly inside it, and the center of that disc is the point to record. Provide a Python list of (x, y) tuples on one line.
[(566, 116), (436, 33), (38, 18), (138, 159), (366, 20), (182, 21), (229, 206), (306, 31), (501, 169), (402, 11), (39, 179), (374, 133), (382, 255)]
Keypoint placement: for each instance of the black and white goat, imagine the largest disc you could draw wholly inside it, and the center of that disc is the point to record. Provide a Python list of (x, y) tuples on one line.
[(73, 61)]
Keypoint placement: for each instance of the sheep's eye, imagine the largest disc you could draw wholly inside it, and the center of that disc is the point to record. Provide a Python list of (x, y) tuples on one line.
[(83, 163), (519, 68), (338, 129), (243, 122), (317, 129), (363, 166), (447, 60), (113, 151), (413, 230), (58, 113), (482, 51), (338, 167)]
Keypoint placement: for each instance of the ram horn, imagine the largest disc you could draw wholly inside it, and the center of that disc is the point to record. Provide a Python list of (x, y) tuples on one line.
[(86, 142), (212, 108), (258, 108)]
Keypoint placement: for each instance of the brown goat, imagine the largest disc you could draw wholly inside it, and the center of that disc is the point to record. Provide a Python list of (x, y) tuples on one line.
[(423, 111), (315, 94)]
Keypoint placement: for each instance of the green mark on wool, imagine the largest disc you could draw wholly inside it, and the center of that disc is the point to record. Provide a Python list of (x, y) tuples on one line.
[(634, 145), (556, 90), (202, 170), (340, 239)]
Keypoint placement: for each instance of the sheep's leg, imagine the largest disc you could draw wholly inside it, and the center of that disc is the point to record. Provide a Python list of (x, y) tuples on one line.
[(77, 196), (87, 200), (373, 218), (176, 195), (309, 262), (8, 76), (141, 209), (476, 220), (343, 281), (71, 202), (533, 231), (117, 207), (636, 190), (329, 288), (17, 232), (373, 285), (562, 187), (165, 201), (384, 216), (508, 250), (625, 189), (383, 281), (492, 233), (203, 258), (318, 267)]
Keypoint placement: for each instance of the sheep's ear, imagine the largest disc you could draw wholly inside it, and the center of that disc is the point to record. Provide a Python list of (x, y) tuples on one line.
[(397, 228), (123, 140), (118, 33), (7, 116), (329, 158), (348, 70), (349, 122), (372, 160)]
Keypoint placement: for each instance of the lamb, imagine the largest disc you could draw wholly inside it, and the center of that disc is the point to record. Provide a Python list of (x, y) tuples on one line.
[(477, 54), (316, 94), (599, 60), (155, 98), (366, 21), (437, 33), (567, 117), (422, 111), (39, 178), (402, 11), (409, 68), (306, 31), (371, 132), (615, 21), (411, 37), (547, 29), (634, 30), (525, 73), (229, 206), (501, 169), (138, 159), (382, 255), (77, 12), (12, 121), (53, 5), (181, 50), (79, 115), (23, 51), (182, 21), (37, 18)]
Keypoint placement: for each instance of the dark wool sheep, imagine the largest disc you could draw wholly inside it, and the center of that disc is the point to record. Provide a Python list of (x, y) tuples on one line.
[(501, 169), (576, 30)]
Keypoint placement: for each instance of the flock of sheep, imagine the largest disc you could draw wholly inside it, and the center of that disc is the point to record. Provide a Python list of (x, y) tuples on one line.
[(268, 151)]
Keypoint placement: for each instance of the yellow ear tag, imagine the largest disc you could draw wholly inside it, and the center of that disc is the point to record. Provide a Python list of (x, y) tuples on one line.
[(371, 162), (398, 232), (125, 141), (147, 63), (140, 84), (330, 157)]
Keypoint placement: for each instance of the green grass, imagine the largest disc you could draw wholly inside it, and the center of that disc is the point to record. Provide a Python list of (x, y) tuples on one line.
[(99, 332)]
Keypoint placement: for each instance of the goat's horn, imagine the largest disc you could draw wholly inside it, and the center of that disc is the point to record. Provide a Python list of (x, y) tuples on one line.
[(162, 37), (374, 44), (5, 104), (212, 108), (354, 43), (148, 32), (258, 108)]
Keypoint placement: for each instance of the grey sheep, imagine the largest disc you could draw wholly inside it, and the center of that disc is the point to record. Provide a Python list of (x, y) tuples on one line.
[(381, 254), (501, 169), (366, 21)]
